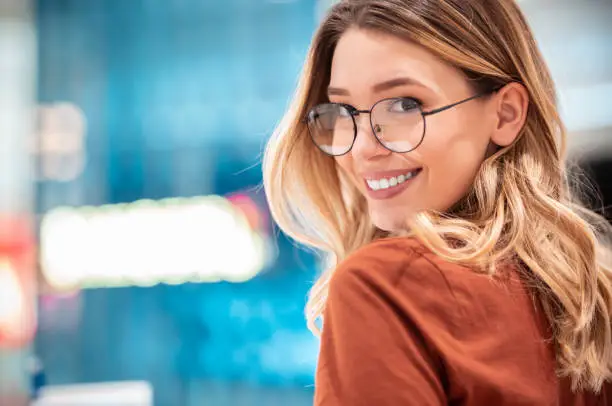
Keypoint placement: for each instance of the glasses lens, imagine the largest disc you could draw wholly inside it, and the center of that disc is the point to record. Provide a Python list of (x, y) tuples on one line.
[(332, 128), (398, 124)]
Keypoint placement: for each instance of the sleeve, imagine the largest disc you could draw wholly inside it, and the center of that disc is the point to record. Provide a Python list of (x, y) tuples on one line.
[(382, 306)]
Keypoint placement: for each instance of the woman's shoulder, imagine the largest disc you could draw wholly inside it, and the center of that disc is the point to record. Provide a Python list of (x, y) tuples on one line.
[(406, 272), (397, 275), (392, 255), (382, 263), (486, 329), (392, 260)]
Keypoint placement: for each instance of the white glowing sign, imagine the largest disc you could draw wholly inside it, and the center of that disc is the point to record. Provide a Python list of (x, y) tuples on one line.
[(97, 394), (174, 241)]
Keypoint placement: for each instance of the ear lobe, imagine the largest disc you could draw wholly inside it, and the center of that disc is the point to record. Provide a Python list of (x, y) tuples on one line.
[(491, 149), (512, 104)]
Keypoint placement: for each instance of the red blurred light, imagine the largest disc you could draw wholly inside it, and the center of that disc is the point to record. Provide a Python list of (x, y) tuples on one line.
[(249, 208), (17, 280)]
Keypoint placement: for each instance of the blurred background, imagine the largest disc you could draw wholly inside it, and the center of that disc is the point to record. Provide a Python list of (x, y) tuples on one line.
[(136, 247)]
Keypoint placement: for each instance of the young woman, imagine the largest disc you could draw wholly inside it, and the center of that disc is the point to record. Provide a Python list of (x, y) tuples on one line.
[(424, 152)]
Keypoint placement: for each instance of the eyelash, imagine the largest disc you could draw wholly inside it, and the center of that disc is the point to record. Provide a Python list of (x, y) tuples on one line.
[(416, 100)]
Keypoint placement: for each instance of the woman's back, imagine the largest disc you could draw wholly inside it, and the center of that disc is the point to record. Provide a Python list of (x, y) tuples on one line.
[(444, 335)]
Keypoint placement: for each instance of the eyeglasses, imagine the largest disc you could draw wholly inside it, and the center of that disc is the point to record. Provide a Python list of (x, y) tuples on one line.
[(398, 124)]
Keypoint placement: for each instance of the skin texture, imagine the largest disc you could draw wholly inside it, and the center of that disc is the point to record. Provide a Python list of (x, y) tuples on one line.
[(456, 142)]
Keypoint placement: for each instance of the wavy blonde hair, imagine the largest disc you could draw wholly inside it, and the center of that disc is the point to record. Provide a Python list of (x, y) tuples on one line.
[(522, 207)]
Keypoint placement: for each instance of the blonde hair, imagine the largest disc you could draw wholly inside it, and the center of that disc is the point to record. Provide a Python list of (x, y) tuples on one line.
[(522, 207)]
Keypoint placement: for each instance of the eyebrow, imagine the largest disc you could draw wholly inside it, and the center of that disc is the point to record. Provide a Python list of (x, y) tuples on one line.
[(379, 87)]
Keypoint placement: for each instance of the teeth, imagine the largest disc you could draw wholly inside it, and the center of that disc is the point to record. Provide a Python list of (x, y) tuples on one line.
[(373, 184), (387, 183)]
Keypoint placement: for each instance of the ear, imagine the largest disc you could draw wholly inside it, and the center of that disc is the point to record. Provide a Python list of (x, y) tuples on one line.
[(511, 103)]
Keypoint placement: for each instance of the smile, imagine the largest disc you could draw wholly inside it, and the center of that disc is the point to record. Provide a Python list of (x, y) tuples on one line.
[(389, 186), (390, 182)]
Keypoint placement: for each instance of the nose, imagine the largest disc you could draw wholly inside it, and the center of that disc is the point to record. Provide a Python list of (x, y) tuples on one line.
[(366, 146)]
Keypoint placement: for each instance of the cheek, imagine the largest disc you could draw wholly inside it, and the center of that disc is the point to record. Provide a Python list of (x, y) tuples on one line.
[(343, 161), (456, 144), (452, 163), (345, 165)]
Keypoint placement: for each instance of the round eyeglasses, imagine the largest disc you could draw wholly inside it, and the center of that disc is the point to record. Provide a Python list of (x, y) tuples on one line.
[(397, 123)]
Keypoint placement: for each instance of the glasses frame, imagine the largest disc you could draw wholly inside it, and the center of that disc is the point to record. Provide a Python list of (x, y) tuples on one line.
[(354, 112)]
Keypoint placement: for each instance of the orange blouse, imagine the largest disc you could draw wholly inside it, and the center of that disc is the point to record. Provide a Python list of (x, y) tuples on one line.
[(404, 327)]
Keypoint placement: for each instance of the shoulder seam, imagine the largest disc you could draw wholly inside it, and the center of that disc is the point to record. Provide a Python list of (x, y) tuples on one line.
[(458, 317)]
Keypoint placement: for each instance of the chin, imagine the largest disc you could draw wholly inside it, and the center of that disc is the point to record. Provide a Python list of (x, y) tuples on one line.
[(388, 221)]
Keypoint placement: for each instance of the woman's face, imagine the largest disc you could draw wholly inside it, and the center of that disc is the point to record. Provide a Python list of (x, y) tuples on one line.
[(369, 66)]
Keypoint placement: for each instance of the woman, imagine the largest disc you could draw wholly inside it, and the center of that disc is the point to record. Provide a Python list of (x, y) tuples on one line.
[(424, 152)]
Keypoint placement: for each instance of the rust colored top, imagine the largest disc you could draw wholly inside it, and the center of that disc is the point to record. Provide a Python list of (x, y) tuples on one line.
[(403, 327)]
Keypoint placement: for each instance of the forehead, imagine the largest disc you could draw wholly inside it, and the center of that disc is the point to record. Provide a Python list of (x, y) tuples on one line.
[(363, 58)]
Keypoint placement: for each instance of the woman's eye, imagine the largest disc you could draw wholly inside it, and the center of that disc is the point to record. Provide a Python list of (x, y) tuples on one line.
[(344, 112), (405, 105)]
